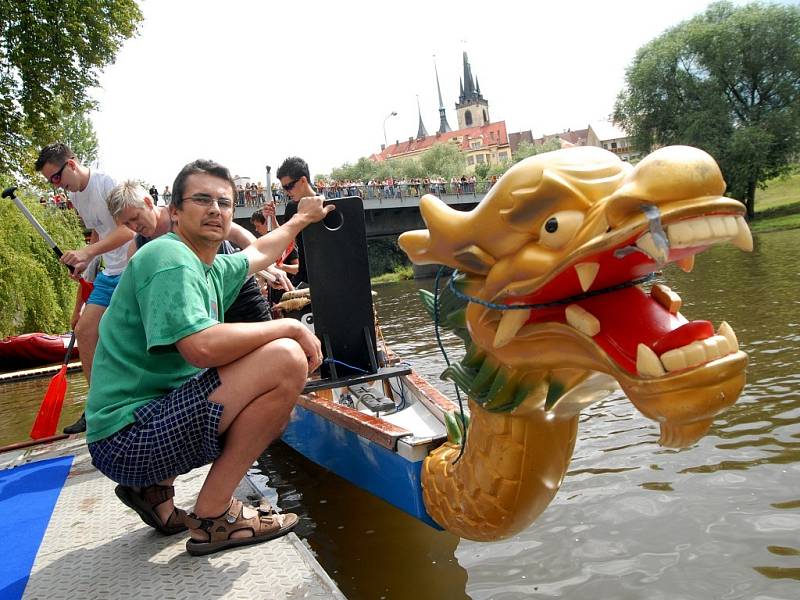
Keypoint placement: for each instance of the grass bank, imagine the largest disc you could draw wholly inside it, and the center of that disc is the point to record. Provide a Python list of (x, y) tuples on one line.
[(778, 206), (399, 274)]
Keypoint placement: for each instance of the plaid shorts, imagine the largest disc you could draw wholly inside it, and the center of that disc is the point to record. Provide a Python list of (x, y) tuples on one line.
[(170, 436)]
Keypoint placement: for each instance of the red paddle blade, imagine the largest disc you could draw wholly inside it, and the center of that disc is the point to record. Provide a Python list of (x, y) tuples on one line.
[(50, 410)]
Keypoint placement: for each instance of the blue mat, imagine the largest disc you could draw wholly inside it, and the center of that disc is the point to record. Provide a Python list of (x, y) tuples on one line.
[(28, 495)]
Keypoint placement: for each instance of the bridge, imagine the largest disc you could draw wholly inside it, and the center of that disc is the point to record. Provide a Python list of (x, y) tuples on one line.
[(384, 216)]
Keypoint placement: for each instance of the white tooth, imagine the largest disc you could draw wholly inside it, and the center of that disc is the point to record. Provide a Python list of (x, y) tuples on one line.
[(582, 320), (666, 298), (743, 239), (717, 225), (731, 228), (648, 244), (686, 264), (712, 347), (647, 363), (700, 229), (509, 326), (674, 360), (695, 354), (586, 274), (680, 234), (727, 331)]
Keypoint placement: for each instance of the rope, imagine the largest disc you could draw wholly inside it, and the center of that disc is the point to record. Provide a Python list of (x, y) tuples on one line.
[(458, 294), (344, 364), (446, 359), (570, 300)]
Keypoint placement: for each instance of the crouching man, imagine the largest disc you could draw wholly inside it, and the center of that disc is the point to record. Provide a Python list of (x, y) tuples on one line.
[(174, 388)]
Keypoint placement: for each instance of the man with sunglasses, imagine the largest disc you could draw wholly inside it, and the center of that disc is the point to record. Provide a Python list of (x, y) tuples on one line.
[(88, 191), (296, 181), (177, 388)]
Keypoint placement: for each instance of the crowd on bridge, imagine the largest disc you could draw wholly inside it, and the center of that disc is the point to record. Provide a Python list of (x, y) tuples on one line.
[(376, 189)]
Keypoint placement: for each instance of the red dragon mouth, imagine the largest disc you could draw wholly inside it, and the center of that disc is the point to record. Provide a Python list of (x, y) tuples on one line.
[(642, 332)]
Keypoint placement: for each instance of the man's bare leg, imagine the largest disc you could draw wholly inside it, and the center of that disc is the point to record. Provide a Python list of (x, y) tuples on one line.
[(86, 332), (258, 392)]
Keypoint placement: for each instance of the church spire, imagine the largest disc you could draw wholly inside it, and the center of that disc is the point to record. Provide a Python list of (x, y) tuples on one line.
[(472, 108), (421, 132), (444, 126), (470, 90)]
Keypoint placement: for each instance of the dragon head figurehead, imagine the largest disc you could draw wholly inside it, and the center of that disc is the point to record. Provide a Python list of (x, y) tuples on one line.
[(552, 262)]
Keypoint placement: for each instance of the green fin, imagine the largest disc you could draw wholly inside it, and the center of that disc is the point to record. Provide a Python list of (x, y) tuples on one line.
[(456, 425), (554, 391)]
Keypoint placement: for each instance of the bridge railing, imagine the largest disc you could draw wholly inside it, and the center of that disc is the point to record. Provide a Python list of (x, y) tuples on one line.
[(384, 191)]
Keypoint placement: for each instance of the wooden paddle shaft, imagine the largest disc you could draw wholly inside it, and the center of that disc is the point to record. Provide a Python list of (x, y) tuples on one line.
[(29, 443)]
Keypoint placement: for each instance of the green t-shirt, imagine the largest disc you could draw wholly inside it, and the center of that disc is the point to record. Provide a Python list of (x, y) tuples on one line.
[(166, 293)]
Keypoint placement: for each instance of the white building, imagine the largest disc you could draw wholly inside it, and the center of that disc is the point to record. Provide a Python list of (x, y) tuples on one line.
[(607, 135)]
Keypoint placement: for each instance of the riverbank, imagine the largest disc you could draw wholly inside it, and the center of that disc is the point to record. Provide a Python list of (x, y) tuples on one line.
[(778, 206)]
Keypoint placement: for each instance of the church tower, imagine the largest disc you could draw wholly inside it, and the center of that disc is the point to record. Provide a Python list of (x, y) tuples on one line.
[(472, 108), (422, 133), (444, 126)]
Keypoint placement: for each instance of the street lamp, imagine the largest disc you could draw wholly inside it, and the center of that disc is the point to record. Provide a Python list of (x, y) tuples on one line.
[(391, 114)]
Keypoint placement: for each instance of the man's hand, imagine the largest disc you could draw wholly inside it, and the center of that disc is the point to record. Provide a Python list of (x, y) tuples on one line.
[(310, 345), (280, 280), (78, 260), (312, 210), (268, 209)]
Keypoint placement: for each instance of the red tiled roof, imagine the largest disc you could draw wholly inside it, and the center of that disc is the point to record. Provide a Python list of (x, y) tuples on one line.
[(569, 138), (493, 134)]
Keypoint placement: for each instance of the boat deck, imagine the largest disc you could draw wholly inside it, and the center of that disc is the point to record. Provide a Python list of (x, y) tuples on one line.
[(95, 547)]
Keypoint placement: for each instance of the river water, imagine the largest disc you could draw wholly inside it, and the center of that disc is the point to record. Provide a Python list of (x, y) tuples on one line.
[(718, 520)]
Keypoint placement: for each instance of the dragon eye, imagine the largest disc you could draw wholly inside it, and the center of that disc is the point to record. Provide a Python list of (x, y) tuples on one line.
[(559, 228)]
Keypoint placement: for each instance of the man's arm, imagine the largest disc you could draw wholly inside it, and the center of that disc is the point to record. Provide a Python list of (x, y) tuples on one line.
[(239, 236), (225, 343), (80, 258), (268, 248)]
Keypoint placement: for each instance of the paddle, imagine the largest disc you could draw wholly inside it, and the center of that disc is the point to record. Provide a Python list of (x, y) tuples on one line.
[(50, 410), (9, 192)]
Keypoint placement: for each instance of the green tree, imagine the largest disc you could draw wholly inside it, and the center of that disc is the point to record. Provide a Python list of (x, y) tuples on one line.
[(726, 81), (51, 54), (443, 160), (526, 149), (79, 135), (35, 292), (482, 170)]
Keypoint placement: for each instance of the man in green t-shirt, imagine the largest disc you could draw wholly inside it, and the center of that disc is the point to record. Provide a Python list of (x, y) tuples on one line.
[(175, 388)]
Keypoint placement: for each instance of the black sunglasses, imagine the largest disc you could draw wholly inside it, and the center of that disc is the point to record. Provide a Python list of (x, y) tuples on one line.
[(289, 186), (55, 178)]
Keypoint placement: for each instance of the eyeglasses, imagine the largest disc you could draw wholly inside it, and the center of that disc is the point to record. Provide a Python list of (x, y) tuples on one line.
[(288, 187), (206, 201), (55, 178)]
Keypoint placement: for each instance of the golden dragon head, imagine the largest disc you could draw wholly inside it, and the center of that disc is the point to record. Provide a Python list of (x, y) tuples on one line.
[(553, 260)]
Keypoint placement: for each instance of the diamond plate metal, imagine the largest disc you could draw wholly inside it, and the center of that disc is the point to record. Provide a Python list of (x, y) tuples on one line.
[(97, 548)]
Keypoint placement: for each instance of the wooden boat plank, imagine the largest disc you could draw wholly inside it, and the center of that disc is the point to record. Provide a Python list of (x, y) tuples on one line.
[(369, 427)]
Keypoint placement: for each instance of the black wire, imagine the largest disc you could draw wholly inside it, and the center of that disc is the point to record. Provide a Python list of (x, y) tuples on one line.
[(446, 359), (576, 298)]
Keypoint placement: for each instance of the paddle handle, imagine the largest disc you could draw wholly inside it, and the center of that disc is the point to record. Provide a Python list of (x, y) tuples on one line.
[(70, 347), (10, 193)]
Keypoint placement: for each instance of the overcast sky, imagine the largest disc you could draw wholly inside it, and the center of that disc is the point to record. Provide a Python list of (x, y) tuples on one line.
[(250, 83)]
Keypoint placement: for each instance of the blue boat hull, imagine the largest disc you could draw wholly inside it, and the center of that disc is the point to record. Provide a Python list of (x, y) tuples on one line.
[(360, 461)]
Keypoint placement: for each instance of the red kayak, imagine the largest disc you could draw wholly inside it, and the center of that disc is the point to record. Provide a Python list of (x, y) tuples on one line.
[(33, 350)]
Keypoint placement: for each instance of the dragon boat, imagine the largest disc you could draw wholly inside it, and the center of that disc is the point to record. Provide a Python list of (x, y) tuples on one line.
[(554, 292), (33, 350)]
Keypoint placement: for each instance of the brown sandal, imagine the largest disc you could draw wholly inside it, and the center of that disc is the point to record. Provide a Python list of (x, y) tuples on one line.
[(144, 502), (266, 525)]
